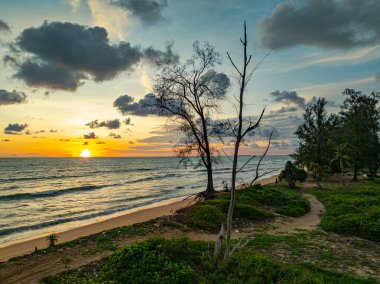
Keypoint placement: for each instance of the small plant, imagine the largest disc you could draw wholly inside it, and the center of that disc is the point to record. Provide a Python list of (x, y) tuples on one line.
[(52, 240), (291, 174)]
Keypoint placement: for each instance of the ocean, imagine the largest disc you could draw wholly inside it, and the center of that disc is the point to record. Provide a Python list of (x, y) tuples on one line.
[(46, 195)]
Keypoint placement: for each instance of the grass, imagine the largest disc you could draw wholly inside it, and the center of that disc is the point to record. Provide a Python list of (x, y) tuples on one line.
[(353, 210), (159, 260), (252, 204)]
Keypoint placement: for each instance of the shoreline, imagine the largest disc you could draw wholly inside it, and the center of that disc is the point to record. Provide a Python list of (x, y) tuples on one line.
[(137, 215)]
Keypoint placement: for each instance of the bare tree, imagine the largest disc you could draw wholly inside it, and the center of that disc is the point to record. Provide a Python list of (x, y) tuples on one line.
[(191, 94), (240, 130)]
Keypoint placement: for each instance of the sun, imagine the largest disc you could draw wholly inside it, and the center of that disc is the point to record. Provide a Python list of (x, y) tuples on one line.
[(85, 153)]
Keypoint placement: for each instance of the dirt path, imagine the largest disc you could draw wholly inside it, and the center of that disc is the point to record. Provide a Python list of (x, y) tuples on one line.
[(31, 269), (307, 222)]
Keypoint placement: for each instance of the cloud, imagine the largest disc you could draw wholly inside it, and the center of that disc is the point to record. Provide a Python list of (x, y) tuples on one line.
[(85, 143), (75, 4), (325, 24), (64, 140), (115, 136), (90, 135), (149, 12), (377, 76), (117, 25), (47, 75), (155, 55), (63, 55), (143, 107), (218, 83), (10, 98), (284, 124), (53, 130), (4, 27), (110, 124), (284, 110), (157, 139), (127, 121), (5, 140), (15, 128), (10, 60), (100, 142), (288, 97)]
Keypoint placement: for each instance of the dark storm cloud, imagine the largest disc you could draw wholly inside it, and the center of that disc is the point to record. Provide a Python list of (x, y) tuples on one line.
[(10, 98), (147, 11), (4, 27), (14, 128), (288, 97), (155, 55), (146, 106), (62, 55), (49, 76), (322, 23), (90, 135), (110, 124)]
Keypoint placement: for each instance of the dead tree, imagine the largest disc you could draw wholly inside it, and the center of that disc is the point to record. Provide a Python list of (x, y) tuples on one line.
[(191, 94), (240, 130)]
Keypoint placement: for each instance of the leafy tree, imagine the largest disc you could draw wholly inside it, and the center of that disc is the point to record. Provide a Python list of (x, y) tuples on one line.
[(315, 139), (318, 172), (361, 116), (190, 93), (342, 157), (291, 174)]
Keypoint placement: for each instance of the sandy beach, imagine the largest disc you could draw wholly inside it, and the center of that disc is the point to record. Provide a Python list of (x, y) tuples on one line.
[(138, 215)]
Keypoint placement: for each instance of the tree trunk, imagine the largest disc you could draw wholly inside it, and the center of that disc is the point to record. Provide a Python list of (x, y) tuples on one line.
[(226, 257), (210, 182), (355, 173)]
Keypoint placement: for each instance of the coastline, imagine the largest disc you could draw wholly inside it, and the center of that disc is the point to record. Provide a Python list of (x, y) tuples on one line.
[(130, 217)]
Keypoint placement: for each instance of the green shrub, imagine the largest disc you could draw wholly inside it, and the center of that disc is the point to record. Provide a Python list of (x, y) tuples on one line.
[(222, 203), (286, 201), (146, 263), (159, 260), (352, 211), (250, 212), (205, 217)]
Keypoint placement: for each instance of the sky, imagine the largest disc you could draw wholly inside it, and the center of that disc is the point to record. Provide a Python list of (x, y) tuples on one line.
[(65, 64)]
